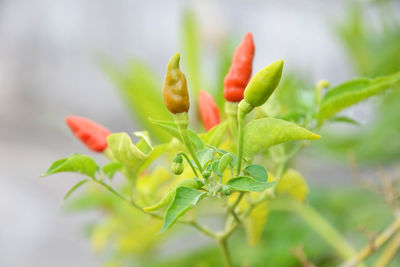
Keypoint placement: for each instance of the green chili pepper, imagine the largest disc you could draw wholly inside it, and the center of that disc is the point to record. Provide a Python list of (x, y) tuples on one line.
[(169, 196), (263, 84), (174, 90)]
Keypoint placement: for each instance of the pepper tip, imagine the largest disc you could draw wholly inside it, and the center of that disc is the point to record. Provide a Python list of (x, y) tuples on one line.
[(174, 61)]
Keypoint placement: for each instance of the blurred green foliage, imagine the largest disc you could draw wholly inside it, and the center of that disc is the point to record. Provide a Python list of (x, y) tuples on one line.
[(371, 34), (285, 232), (373, 43)]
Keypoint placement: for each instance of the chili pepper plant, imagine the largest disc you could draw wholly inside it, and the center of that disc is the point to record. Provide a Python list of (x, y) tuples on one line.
[(241, 163)]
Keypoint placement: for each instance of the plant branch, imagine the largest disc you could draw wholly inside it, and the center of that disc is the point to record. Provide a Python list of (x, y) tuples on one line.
[(202, 229), (319, 224), (189, 145), (375, 244), (154, 215), (389, 252), (189, 162), (225, 252), (240, 142)]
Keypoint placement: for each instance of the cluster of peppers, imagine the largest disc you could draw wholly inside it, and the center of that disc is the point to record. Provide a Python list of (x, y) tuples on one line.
[(238, 88)]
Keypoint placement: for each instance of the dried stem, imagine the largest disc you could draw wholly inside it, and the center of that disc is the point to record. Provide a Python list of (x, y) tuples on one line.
[(375, 244)]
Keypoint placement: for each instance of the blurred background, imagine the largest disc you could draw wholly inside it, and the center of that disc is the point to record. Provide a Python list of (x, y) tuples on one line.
[(52, 56)]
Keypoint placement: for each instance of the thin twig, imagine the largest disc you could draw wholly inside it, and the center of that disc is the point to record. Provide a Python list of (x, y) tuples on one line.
[(154, 215), (375, 245), (389, 252)]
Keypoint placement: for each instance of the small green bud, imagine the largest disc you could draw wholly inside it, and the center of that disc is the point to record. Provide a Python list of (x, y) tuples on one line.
[(177, 159), (226, 190), (206, 174), (177, 168)]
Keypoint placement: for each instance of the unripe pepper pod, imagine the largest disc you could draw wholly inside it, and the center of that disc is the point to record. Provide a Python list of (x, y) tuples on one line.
[(93, 135), (263, 84), (240, 71), (174, 90), (209, 111)]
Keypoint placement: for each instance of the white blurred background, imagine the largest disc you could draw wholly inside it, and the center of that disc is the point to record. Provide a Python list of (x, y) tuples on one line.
[(48, 69)]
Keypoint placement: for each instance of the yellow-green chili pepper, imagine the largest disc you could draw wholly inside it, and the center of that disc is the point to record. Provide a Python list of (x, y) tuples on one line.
[(174, 90), (169, 196), (263, 84)]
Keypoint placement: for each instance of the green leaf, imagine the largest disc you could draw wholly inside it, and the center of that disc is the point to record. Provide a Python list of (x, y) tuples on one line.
[(76, 186), (226, 159), (256, 171), (217, 134), (140, 89), (111, 168), (171, 128), (255, 223), (168, 126), (344, 119), (75, 163), (191, 51), (266, 132), (205, 155), (195, 139), (123, 150), (157, 151), (246, 183), (293, 184), (134, 157), (215, 167), (353, 92), (185, 198)]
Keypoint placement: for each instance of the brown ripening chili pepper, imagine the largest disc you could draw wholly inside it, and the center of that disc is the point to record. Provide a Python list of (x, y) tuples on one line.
[(240, 71), (209, 111), (93, 135), (174, 90)]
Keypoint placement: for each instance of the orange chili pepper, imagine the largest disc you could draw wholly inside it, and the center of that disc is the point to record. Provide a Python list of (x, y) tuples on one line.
[(240, 71), (209, 111), (93, 135)]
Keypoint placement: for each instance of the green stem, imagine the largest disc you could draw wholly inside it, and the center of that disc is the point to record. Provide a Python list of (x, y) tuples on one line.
[(378, 242), (202, 229), (186, 140), (240, 142), (191, 149), (189, 162), (156, 216), (389, 252), (231, 109), (319, 224), (232, 208), (225, 252)]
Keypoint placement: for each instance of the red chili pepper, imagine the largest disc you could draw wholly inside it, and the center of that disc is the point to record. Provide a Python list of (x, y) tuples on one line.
[(93, 135), (209, 111), (240, 71)]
